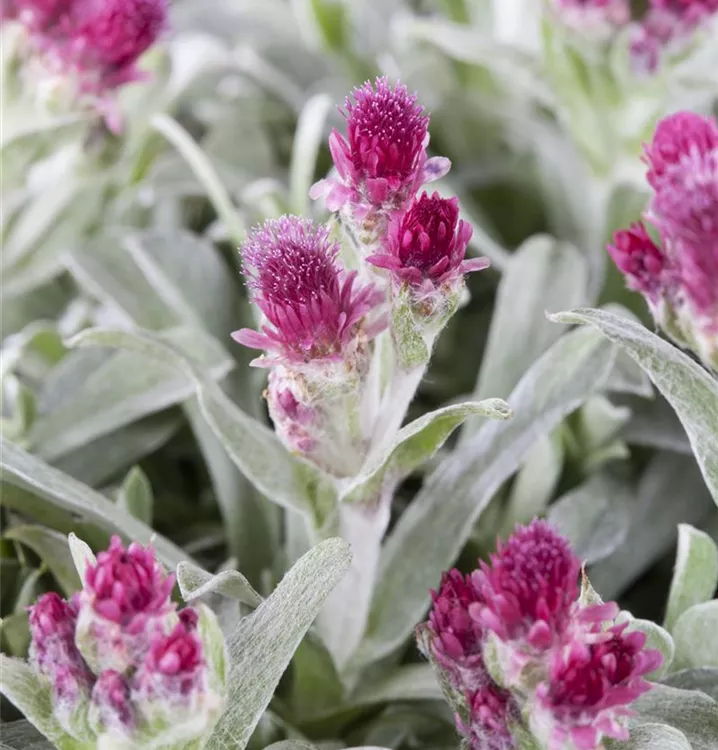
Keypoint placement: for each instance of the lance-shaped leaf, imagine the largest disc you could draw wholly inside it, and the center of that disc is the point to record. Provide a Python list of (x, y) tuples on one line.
[(126, 387), (543, 274), (30, 474), (691, 391), (430, 534), (696, 573), (280, 476), (414, 445), (594, 517), (263, 643)]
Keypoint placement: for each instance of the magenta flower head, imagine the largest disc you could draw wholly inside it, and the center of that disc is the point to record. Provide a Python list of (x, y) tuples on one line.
[(88, 48), (528, 593), (492, 710), (126, 597), (111, 711), (313, 308), (426, 246), (382, 162), (456, 639), (590, 684), (58, 662), (175, 690)]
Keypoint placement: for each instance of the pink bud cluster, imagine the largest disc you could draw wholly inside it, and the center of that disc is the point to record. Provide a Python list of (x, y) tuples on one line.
[(667, 27), (679, 275), (117, 644), (95, 43), (518, 619)]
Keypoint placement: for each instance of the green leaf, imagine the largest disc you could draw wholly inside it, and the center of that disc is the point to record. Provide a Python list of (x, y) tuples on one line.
[(281, 477), (691, 391), (82, 555), (28, 473), (431, 532), (704, 679), (135, 495), (411, 682), (594, 517), (22, 735), (195, 582), (21, 687), (205, 173), (543, 274), (52, 548), (191, 278), (655, 516), (125, 388), (695, 636), (263, 643), (689, 711), (307, 139), (105, 458), (415, 444), (695, 576), (652, 737)]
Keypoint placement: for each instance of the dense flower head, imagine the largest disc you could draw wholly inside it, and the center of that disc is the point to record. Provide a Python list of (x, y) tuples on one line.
[(679, 137), (457, 640), (491, 709), (111, 706), (644, 264), (590, 683), (530, 587), (174, 665), (382, 162), (314, 309), (88, 48), (386, 129), (126, 586), (427, 244)]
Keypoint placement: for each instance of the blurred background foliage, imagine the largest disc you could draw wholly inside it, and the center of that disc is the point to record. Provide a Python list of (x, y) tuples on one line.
[(120, 231)]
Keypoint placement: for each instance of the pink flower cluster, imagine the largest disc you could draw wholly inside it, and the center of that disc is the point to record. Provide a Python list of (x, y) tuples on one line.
[(118, 644), (95, 43), (679, 275), (518, 620), (667, 27), (319, 317)]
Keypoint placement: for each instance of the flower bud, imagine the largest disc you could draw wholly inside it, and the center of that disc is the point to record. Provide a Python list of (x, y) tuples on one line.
[(382, 162), (125, 601), (426, 248), (491, 713), (58, 662), (111, 712), (172, 691)]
